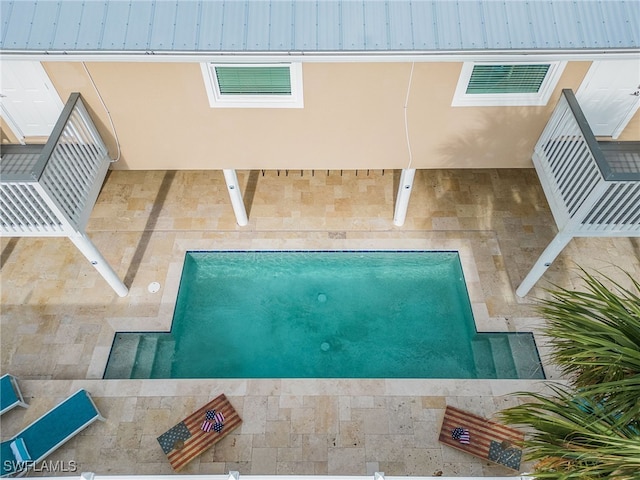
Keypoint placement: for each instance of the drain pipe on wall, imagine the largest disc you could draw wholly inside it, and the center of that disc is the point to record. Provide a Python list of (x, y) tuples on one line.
[(104, 105), (235, 194), (406, 179)]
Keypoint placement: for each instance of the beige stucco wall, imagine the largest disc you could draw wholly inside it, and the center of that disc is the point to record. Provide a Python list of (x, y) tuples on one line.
[(631, 132), (6, 134), (353, 118)]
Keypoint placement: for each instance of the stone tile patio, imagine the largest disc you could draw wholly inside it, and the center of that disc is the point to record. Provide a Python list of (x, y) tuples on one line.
[(59, 316)]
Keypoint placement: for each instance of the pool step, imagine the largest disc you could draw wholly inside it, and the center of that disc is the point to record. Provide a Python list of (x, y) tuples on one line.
[(164, 357), (525, 356), (141, 355), (506, 355), (123, 356), (496, 355), (145, 356), (502, 356), (483, 357)]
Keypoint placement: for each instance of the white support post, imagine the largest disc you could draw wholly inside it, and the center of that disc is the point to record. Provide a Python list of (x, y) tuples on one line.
[(236, 196), (404, 193), (89, 250), (544, 261)]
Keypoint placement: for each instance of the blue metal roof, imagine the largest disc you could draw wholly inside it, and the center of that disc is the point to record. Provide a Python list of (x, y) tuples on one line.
[(305, 26)]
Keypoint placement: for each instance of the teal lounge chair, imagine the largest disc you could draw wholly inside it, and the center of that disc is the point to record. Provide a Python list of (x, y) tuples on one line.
[(10, 395), (54, 428)]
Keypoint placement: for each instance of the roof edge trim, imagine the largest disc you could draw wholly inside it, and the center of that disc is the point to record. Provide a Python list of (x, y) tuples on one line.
[(340, 56)]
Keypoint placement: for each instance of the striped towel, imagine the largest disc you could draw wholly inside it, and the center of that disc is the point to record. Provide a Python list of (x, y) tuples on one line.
[(219, 422), (213, 421), (461, 434), (207, 426)]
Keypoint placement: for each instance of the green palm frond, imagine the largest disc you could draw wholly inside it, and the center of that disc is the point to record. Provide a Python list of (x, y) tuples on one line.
[(595, 336), (576, 437), (590, 430)]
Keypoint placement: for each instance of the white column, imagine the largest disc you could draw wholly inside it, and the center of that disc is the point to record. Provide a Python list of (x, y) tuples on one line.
[(90, 251), (546, 259), (404, 193), (236, 196)]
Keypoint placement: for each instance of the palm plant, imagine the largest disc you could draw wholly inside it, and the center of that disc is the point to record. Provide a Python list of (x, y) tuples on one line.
[(591, 429), (576, 437), (595, 339)]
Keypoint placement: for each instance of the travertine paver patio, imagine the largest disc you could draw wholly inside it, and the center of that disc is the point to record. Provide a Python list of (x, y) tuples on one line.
[(59, 316)]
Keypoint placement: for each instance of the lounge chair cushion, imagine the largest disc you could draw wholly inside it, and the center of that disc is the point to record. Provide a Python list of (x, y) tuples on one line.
[(10, 395), (19, 450)]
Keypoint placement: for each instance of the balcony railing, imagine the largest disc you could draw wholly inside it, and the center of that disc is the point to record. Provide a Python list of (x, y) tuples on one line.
[(50, 190), (593, 188)]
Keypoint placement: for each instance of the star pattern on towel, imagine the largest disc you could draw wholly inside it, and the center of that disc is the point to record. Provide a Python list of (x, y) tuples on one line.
[(461, 434), (213, 421)]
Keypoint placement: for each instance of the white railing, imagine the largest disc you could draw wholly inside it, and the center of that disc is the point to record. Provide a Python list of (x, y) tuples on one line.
[(617, 211), (24, 211), (587, 194), (593, 188), (51, 193), (50, 190)]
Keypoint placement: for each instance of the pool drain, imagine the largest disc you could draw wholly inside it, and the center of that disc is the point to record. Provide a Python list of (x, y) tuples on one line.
[(325, 346), (322, 297)]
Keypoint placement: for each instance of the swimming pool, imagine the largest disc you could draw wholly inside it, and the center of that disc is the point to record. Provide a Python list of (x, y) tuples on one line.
[(323, 314)]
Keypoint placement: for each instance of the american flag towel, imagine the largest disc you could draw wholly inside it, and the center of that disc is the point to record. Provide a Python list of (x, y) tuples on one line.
[(207, 426), (219, 422), (461, 434), (213, 421)]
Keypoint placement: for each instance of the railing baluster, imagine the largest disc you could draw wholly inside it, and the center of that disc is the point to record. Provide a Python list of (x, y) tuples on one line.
[(20, 205)]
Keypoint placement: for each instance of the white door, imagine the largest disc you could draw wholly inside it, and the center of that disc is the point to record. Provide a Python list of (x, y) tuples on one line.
[(30, 104), (610, 95)]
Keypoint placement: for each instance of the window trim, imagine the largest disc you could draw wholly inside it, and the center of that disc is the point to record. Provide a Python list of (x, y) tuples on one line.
[(463, 99), (218, 100)]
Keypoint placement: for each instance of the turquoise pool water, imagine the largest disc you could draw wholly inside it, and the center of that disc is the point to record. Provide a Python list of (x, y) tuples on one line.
[(322, 315)]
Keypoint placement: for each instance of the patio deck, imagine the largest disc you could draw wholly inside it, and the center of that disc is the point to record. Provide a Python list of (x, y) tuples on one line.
[(59, 316)]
